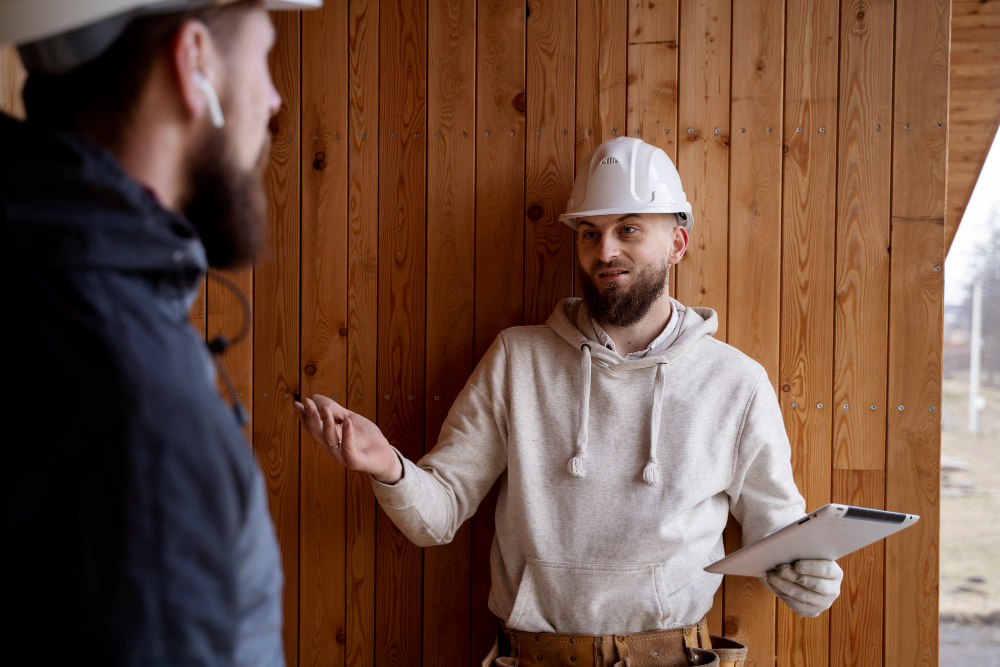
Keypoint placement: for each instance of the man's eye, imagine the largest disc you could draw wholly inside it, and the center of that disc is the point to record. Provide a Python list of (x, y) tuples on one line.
[(590, 235), (627, 230)]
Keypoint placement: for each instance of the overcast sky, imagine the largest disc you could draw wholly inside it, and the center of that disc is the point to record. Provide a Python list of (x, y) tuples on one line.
[(961, 265)]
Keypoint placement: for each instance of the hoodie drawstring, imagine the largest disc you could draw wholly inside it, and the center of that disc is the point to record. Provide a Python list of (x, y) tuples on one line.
[(651, 473), (575, 466)]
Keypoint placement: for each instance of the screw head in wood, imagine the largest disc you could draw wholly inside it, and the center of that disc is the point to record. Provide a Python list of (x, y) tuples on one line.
[(439, 134), (364, 136), (437, 398), (878, 128), (512, 133), (638, 131), (769, 130), (690, 130), (798, 129), (847, 405), (900, 408), (614, 131), (565, 132), (822, 129), (667, 131), (334, 397), (940, 124), (873, 407), (336, 137), (717, 130), (387, 397), (360, 397), (743, 130), (265, 395), (931, 409), (906, 127), (819, 406), (795, 405), (286, 395), (937, 268), (589, 132), (411, 397), (487, 133), (538, 133)]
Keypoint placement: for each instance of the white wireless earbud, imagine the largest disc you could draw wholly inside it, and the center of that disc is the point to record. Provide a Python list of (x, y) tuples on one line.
[(211, 97)]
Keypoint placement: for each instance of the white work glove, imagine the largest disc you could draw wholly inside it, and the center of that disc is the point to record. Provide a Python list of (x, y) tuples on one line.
[(808, 587)]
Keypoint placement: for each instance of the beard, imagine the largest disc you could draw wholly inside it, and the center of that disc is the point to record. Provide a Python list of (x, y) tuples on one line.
[(226, 204), (619, 306)]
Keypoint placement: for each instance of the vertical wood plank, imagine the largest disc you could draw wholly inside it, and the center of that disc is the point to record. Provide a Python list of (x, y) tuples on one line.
[(362, 315), (401, 299), (862, 289), (809, 194), (276, 323), (856, 616), (920, 141), (322, 520), (223, 315), (500, 57), (601, 72), (12, 77), (652, 78), (754, 295), (549, 156), (703, 155), (451, 211)]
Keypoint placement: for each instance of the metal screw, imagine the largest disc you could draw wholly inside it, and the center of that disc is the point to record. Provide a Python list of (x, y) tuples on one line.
[(795, 405), (538, 133), (512, 133), (931, 409), (315, 137), (336, 137), (940, 124), (743, 130), (265, 395), (873, 407), (822, 129), (900, 408), (819, 405), (439, 134), (290, 137), (615, 131), (364, 136), (416, 135), (906, 127), (717, 130), (878, 127), (798, 129), (464, 134), (637, 131), (286, 395), (411, 397), (589, 132), (565, 133), (690, 130), (335, 396), (768, 130), (437, 398), (393, 135), (666, 131), (487, 133), (847, 405), (387, 397), (360, 397), (239, 395), (937, 268)]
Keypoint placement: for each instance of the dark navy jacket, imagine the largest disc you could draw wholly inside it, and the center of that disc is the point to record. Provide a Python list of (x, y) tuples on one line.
[(134, 519)]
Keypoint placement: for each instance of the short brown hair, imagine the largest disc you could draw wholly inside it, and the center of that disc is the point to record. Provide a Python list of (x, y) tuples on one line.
[(99, 97)]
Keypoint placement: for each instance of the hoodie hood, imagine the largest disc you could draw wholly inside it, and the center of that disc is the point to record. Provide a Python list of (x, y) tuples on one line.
[(572, 321), (66, 203)]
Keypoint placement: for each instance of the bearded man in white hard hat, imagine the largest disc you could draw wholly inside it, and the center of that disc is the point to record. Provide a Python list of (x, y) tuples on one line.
[(624, 435), (135, 527)]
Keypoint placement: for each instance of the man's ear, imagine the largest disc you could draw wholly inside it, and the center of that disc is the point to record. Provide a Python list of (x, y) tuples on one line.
[(678, 244), (193, 52)]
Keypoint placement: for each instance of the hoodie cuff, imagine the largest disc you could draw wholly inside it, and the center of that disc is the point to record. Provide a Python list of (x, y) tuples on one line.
[(399, 495)]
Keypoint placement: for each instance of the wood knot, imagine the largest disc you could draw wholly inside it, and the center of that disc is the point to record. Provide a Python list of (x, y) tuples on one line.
[(320, 161), (343, 331), (310, 370), (341, 638), (786, 387), (520, 103), (274, 125), (535, 212)]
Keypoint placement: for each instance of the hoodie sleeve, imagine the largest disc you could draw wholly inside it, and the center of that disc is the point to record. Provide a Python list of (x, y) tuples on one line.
[(437, 494), (762, 495)]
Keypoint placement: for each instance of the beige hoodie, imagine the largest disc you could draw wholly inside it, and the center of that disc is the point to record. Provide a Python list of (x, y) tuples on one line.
[(617, 476)]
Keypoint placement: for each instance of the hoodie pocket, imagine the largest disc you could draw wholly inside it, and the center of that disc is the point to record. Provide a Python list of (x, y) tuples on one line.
[(577, 598)]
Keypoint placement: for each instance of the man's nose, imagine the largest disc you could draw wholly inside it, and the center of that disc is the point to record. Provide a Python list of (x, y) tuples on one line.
[(608, 250)]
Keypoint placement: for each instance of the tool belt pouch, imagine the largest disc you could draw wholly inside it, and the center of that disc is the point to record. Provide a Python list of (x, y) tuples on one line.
[(731, 653)]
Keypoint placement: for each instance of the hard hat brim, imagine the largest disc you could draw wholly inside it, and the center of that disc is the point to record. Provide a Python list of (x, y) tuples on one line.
[(684, 216)]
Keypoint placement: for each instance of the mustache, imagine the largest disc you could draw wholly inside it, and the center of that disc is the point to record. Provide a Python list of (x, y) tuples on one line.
[(614, 264)]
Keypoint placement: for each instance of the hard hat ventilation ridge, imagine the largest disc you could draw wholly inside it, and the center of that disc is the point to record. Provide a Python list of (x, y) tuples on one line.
[(609, 160)]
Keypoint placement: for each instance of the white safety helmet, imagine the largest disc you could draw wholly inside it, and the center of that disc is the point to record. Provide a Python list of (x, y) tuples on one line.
[(627, 175), (56, 36)]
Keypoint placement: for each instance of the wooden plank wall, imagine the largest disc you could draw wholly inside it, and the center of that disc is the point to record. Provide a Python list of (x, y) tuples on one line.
[(419, 165)]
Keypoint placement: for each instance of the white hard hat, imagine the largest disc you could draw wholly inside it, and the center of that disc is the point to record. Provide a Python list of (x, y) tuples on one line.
[(56, 36), (627, 175)]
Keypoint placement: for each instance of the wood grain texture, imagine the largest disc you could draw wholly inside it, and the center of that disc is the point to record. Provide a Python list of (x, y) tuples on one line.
[(974, 86), (862, 288), (362, 315), (276, 323), (324, 144), (703, 155), (809, 194), (12, 77), (549, 158), (601, 72), (754, 297), (401, 302), (856, 635), (451, 214), (913, 456)]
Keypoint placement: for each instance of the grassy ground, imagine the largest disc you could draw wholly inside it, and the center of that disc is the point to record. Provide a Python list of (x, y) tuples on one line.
[(970, 508)]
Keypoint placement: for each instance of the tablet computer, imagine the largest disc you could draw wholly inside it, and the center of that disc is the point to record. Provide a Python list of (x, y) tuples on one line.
[(827, 533)]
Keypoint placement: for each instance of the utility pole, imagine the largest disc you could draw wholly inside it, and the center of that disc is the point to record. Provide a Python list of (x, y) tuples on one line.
[(975, 346)]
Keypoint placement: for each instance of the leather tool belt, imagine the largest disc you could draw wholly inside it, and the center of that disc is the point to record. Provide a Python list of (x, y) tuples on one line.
[(679, 647)]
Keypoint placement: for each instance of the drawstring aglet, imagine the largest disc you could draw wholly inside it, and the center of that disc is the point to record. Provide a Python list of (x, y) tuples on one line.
[(651, 473), (576, 468)]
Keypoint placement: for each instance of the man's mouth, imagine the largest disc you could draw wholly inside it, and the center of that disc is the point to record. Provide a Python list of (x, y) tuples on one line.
[(612, 273)]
